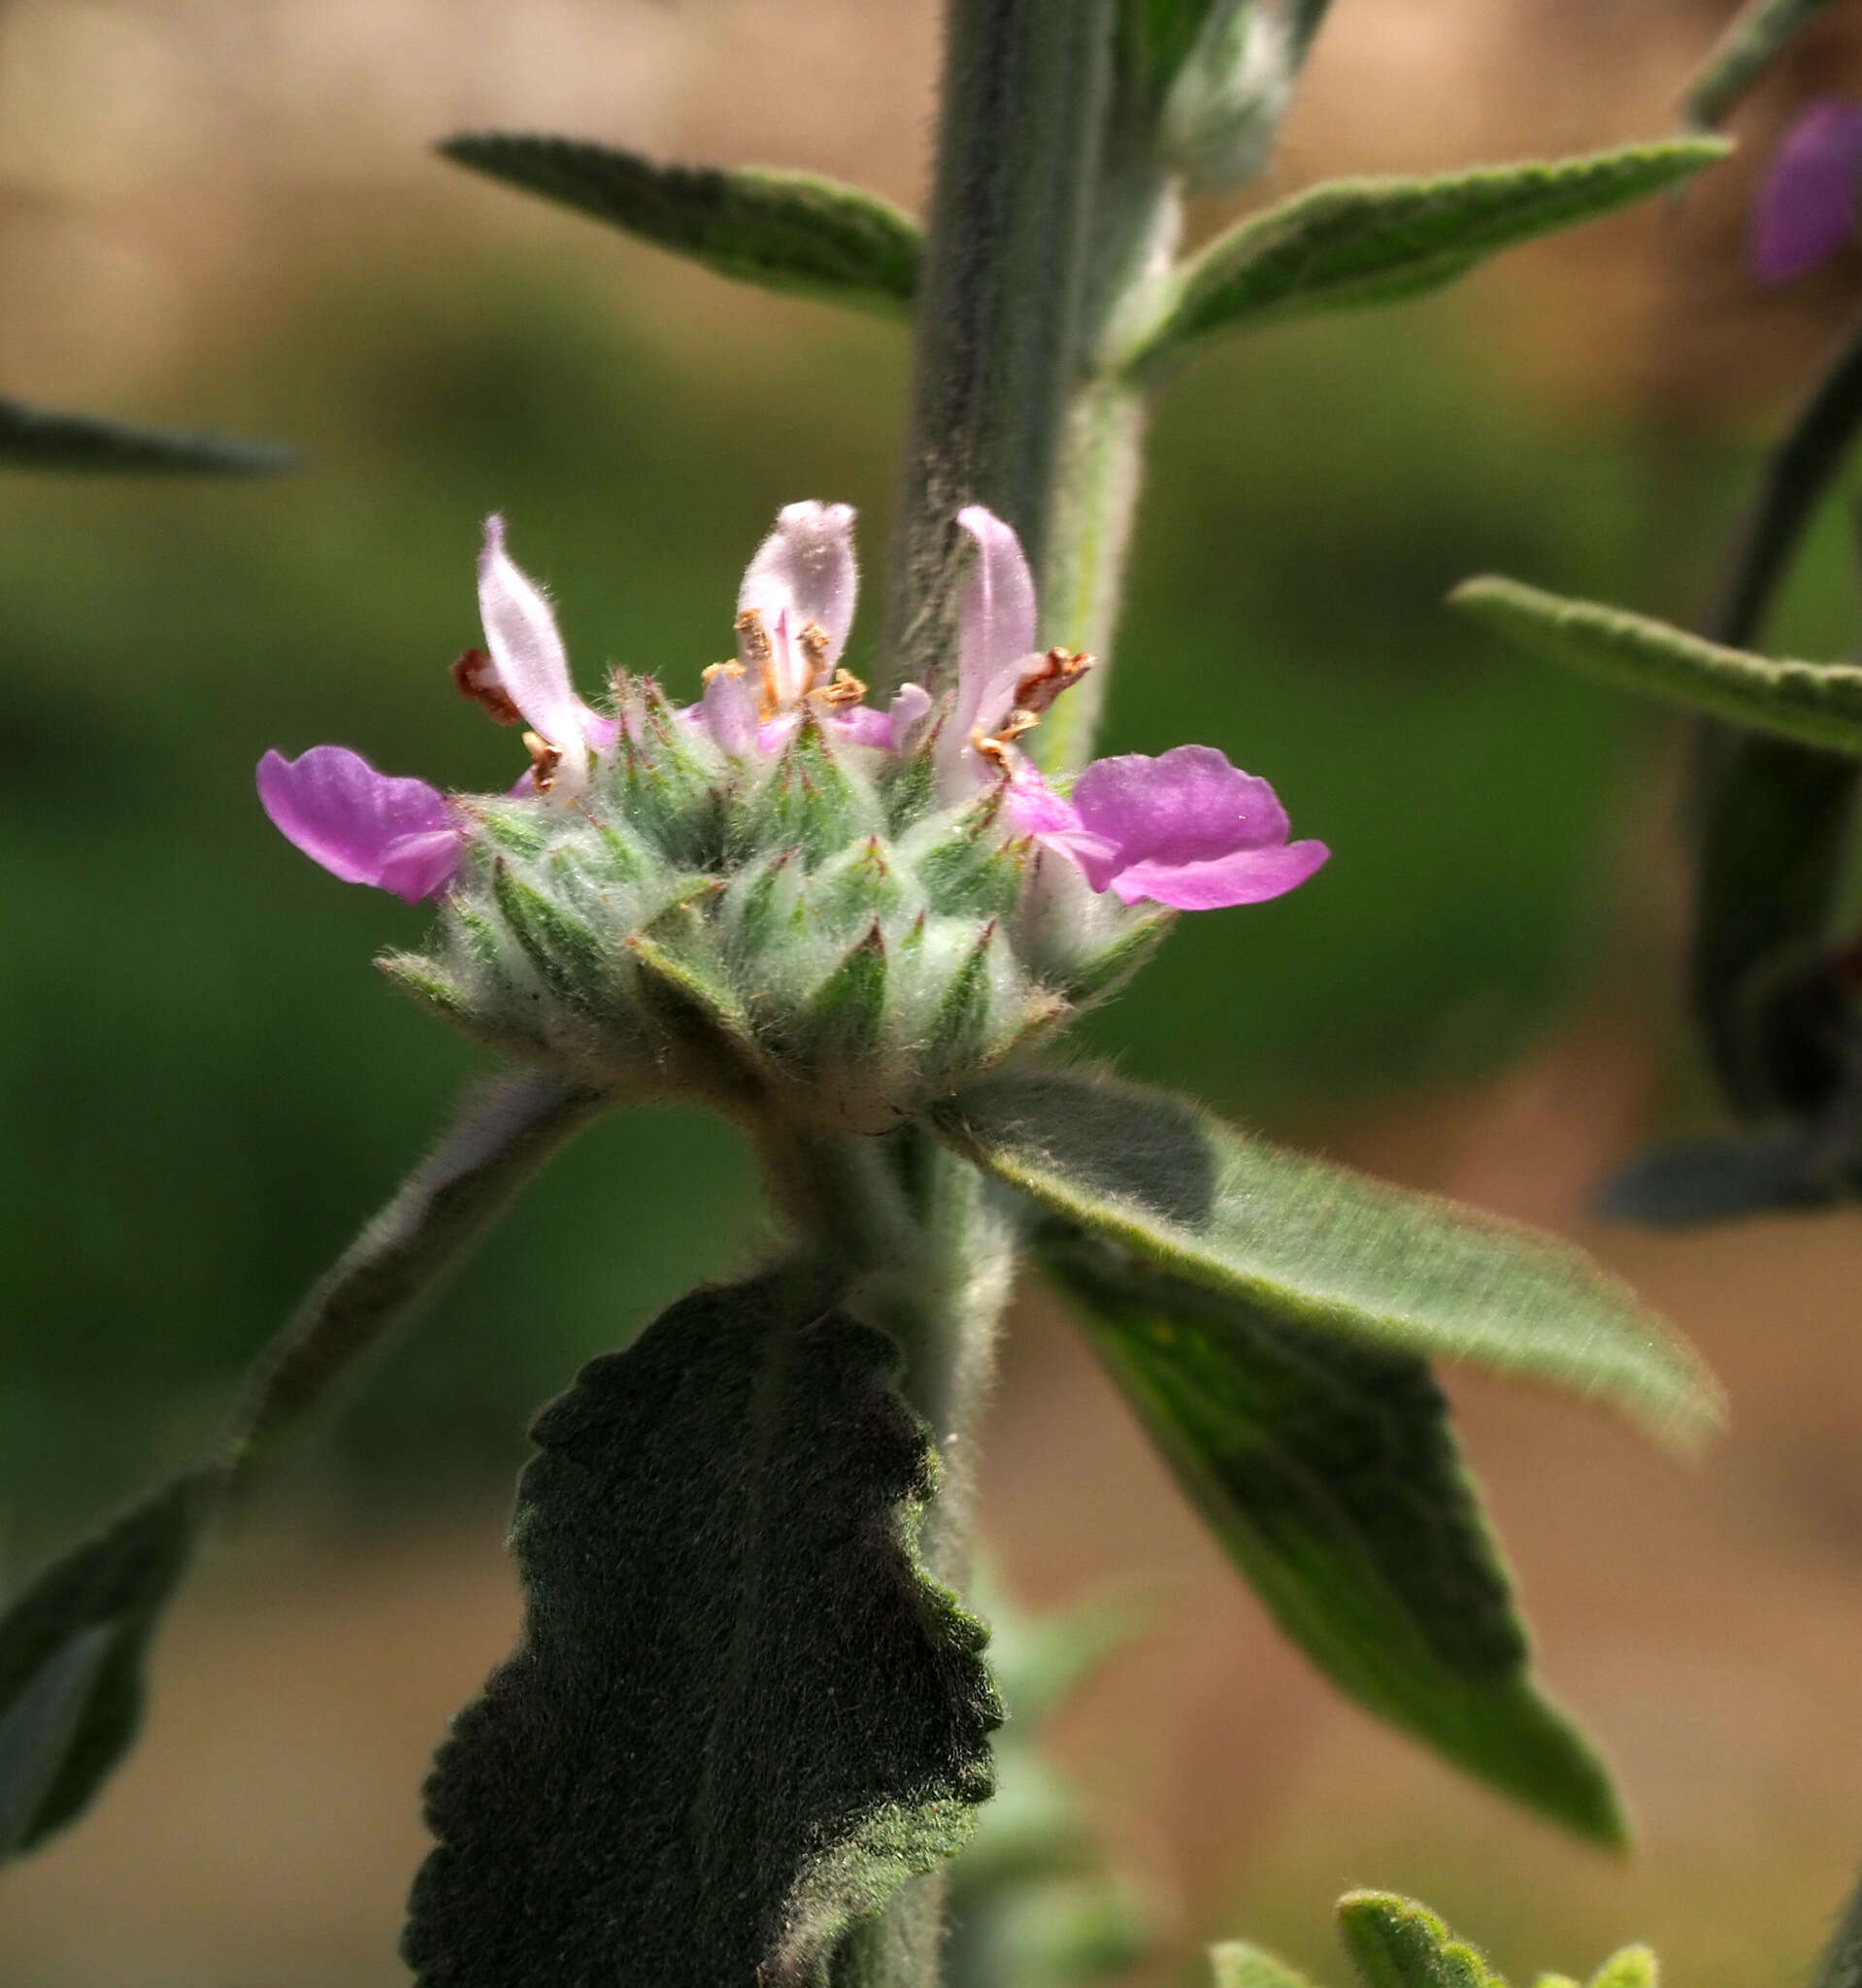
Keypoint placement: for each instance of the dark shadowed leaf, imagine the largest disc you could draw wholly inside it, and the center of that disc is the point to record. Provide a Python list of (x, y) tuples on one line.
[(1720, 1177), (1374, 241), (1396, 1943), (72, 1651), (741, 1714), (1840, 1964), (1814, 704), (1742, 55), (787, 231), (1313, 1245), (1329, 1470), (41, 439)]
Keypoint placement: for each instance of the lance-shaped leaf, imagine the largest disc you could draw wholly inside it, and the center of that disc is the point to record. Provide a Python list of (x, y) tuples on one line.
[(72, 1651), (741, 1713), (1742, 55), (1312, 1244), (1329, 1470), (787, 231), (1396, 1943), (1814, 704), (1373, 241), (42, 438)]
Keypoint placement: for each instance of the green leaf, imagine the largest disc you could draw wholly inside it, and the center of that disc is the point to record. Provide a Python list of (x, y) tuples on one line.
[(1814, 704), (1329, 1470), (1630, 1967), (1234, 1964), (788, 231), (1742, 55), (41, 439), (1357, 242), (72, 1650), (741, 1713), (1396, 1943), (1312, 1244)]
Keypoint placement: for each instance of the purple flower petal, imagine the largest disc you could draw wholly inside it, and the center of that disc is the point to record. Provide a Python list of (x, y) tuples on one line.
[(1034, 809), (730, 711), (910, 706), (528, 655), (859, 724), (1807, 207), (803, 573), (363, 826), (1249, 876), (1189, 830), (995, 624)]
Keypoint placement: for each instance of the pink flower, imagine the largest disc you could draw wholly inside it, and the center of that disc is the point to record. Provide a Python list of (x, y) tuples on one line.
[(361, 825), (1807, 207), (1187, 830)]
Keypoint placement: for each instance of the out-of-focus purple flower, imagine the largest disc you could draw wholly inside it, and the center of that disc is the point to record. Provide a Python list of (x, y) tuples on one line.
[(363, 826), (1807, 207)]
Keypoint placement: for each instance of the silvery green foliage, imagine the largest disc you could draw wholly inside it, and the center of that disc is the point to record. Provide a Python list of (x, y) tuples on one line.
[(1224, 108), (809, 929)]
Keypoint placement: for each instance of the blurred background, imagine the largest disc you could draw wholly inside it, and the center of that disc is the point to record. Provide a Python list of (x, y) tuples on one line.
[(229, 216)]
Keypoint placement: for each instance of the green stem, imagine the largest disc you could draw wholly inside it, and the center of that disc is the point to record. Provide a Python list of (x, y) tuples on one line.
[(1025, 84)]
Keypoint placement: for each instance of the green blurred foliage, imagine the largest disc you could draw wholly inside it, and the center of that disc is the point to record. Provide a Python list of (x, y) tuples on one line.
[(204, 1087)]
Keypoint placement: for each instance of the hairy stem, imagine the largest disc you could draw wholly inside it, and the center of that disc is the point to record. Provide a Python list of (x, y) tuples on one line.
[(1025, 82)]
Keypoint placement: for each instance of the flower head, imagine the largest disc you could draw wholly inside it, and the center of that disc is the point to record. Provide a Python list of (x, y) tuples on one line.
[(853, 906), (1807, 207)]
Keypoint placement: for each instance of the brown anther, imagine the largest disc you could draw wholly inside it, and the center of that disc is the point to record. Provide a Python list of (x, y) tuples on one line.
[(753, 639), (845, 688), (1060, 668), (712, 670), (994, 750), (475, 676), (813, 643), (545, 759)]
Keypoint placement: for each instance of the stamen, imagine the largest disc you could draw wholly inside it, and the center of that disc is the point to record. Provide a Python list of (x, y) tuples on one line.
[(712, 670), (545, 759), (1060, 668), (759, 654), (814, 644), (845, 688), (475, 676)]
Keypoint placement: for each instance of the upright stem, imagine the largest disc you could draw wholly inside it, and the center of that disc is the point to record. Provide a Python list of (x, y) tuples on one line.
[(1025, 84), (1775, 817)]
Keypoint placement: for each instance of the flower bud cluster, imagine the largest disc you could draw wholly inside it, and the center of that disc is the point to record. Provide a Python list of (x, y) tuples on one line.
[(812, 924), (778, 897)]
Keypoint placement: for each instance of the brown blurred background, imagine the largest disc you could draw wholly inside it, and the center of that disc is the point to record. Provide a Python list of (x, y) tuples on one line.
[(229, 214)]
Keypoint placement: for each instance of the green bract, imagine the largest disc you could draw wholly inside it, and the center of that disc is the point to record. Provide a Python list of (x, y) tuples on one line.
[(806, 929)]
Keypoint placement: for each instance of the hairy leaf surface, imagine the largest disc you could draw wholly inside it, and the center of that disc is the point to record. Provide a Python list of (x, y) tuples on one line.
[(72, 1652), (741, 1714), (1814, 704), (1328, 1469), (786, 231), (1396, 1943), (1312, 1244), (1374, 241), (44, 439)]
